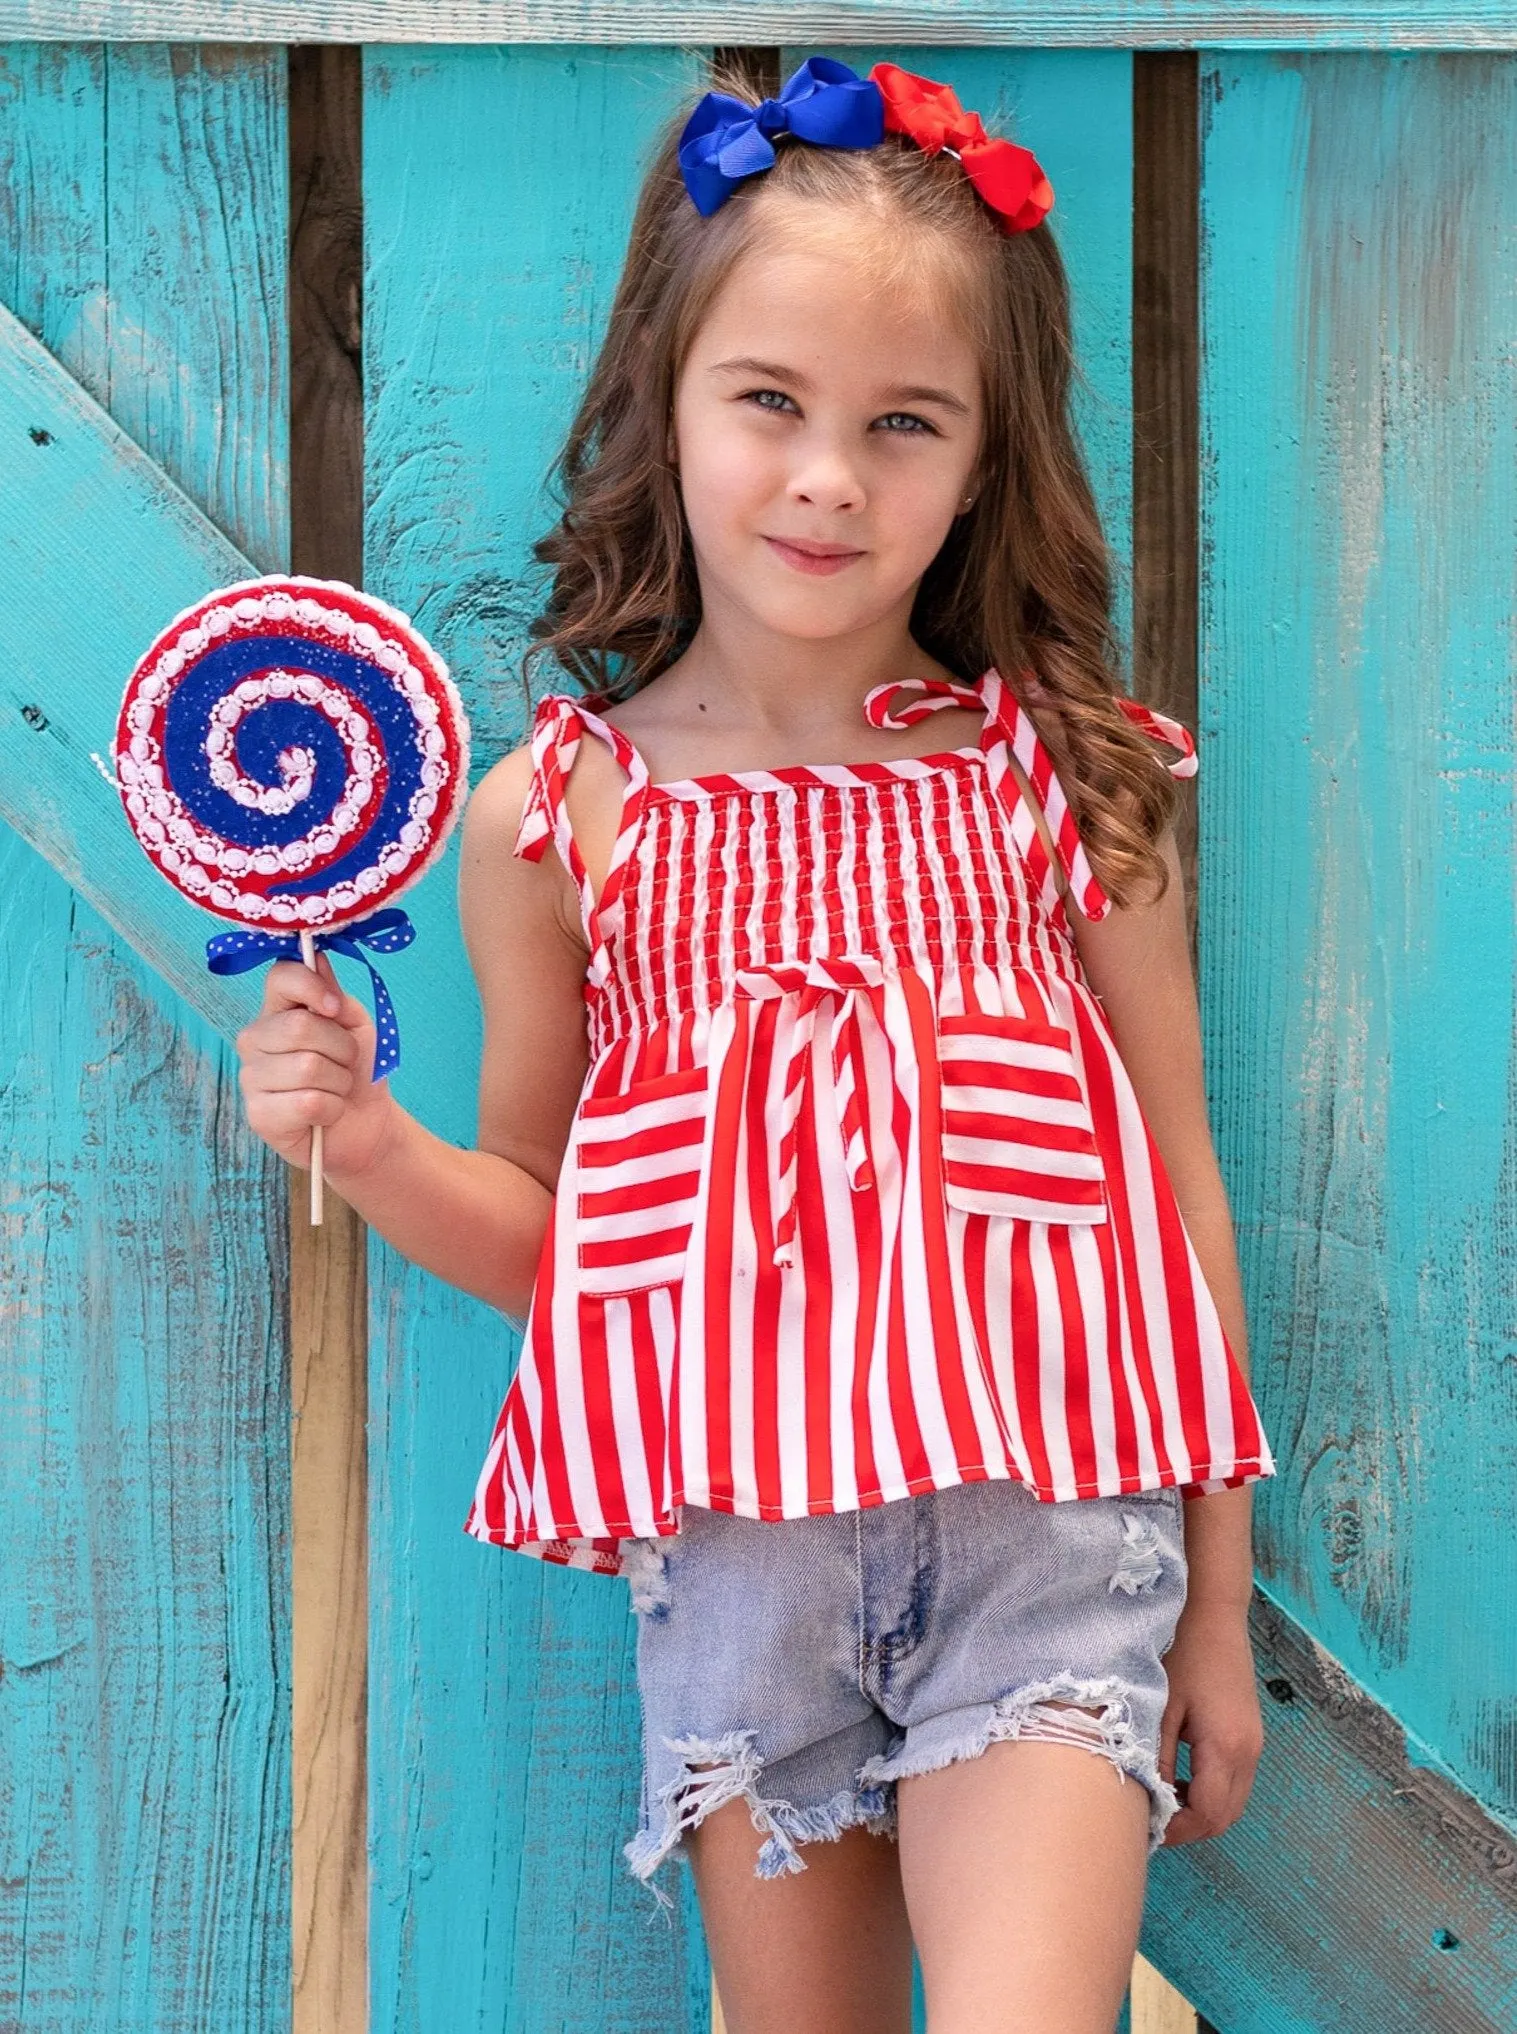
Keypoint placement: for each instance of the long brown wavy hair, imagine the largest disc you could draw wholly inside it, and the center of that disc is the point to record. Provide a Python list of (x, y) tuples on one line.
[(1023, 581)]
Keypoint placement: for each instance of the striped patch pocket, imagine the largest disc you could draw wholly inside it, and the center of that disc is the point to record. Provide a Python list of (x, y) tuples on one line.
[(1017, 1132), (638, 1168)]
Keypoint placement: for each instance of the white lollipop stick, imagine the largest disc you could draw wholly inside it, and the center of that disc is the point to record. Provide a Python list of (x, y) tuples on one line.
[(308, 955)]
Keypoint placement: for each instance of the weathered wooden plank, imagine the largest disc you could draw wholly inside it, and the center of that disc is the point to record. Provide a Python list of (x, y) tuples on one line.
[(76, 616), (503, 1736), (144, 1746), (132, 480), (328, 1263), (1165, 484), (1359, 467), (1123, 24), (1154, 2006), (144, 1736), (1363, 1890)]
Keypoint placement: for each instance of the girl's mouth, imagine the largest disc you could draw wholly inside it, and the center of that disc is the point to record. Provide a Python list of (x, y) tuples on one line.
[(814, 558)]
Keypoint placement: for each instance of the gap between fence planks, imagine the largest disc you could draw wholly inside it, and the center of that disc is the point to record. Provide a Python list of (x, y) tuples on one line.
[(328, 1265)]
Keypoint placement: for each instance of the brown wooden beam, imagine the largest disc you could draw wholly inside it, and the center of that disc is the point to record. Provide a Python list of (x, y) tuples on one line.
[(1165, 384), (328, 1282)]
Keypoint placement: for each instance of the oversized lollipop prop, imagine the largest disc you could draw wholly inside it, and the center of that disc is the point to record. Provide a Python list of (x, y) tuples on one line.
[(292, 754)]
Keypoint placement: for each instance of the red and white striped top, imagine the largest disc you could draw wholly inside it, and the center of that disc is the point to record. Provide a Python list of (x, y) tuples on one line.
[(858, 1200)]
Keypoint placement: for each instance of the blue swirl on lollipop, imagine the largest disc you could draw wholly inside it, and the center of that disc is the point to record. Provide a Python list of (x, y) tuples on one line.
[(279, 724)]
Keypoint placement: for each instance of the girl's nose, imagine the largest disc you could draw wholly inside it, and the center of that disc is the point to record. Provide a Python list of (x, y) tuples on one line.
[(828, 482)]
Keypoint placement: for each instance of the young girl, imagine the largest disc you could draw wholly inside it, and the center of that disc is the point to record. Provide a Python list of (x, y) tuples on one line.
[(842, 1140)]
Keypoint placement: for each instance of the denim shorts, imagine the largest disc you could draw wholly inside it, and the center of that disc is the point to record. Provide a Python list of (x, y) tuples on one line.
[(806, 1665)]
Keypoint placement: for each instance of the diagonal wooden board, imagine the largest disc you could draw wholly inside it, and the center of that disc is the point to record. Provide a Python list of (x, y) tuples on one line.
[(1363, 1889), (98, 551)]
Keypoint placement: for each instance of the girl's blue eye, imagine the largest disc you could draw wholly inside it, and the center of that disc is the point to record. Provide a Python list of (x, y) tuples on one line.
[(898, 423)]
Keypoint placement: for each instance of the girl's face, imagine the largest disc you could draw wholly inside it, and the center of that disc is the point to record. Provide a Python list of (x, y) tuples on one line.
[(826, 437)]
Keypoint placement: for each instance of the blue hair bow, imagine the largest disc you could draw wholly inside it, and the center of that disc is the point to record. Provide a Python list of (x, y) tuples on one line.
[(823, 102), (387, 931)]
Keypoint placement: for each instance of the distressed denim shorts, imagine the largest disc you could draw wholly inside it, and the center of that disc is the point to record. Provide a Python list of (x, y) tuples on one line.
[(804, 1666)]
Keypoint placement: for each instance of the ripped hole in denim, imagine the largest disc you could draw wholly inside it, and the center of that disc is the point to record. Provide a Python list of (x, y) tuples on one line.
[(725, 1769), (1138, 1565), (646, 1567)]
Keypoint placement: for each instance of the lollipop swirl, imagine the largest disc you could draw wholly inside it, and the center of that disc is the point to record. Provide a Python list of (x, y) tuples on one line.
[(363, 768), (287, 763)]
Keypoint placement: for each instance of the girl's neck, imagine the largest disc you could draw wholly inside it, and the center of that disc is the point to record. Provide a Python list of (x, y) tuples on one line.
[(737, 673)]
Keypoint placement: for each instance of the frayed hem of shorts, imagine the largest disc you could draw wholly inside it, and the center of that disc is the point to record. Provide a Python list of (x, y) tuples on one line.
[(1110, 1735), (724, 1769)]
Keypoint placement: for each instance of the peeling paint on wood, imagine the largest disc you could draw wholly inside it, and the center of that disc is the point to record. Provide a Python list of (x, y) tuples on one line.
[(1363, 1892)]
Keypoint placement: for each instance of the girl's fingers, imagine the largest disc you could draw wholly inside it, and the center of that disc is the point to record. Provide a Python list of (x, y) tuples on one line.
[(1169, 1742), (315, 1105), (1220, 1781), (291, 985), (285, 1073), (292, 1032), (300, 1030)]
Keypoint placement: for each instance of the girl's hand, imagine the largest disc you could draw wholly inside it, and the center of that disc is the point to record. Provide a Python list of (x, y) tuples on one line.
[(1214, 1705), (308, 1057)]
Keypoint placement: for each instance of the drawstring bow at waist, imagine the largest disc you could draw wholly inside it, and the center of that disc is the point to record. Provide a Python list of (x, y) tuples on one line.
[(844, 984)]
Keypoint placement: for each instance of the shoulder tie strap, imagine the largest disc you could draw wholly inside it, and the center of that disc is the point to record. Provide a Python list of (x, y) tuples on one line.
[(1163, 729), (1006, 711), (936, 693), (555, 743), (558, 725)]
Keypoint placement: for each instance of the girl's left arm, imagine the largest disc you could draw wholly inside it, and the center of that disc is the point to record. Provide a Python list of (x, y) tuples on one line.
[(1137, 960)]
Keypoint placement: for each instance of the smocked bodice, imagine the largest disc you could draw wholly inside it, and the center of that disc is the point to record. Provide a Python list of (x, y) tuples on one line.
[(929, 862)]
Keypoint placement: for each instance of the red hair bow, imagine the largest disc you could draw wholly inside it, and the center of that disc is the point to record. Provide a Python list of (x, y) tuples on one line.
[(1008, 178)]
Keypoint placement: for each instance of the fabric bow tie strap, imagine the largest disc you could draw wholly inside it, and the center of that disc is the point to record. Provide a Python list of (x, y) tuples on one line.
[(233, 953), (848, 979), (830, 106)]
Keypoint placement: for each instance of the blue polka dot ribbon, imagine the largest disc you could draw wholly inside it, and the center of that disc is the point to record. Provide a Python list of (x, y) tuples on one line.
[(387, 931)]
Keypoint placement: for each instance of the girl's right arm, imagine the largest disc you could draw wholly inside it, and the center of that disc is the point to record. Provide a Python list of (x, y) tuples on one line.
[(475, 1218)]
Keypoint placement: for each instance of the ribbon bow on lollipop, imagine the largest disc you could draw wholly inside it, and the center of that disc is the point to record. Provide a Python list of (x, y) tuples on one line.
[(387, 931), (830, 106)]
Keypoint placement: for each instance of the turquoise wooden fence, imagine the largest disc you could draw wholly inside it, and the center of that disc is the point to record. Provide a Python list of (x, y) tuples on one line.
[(144, 1600), (1358, 498)]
